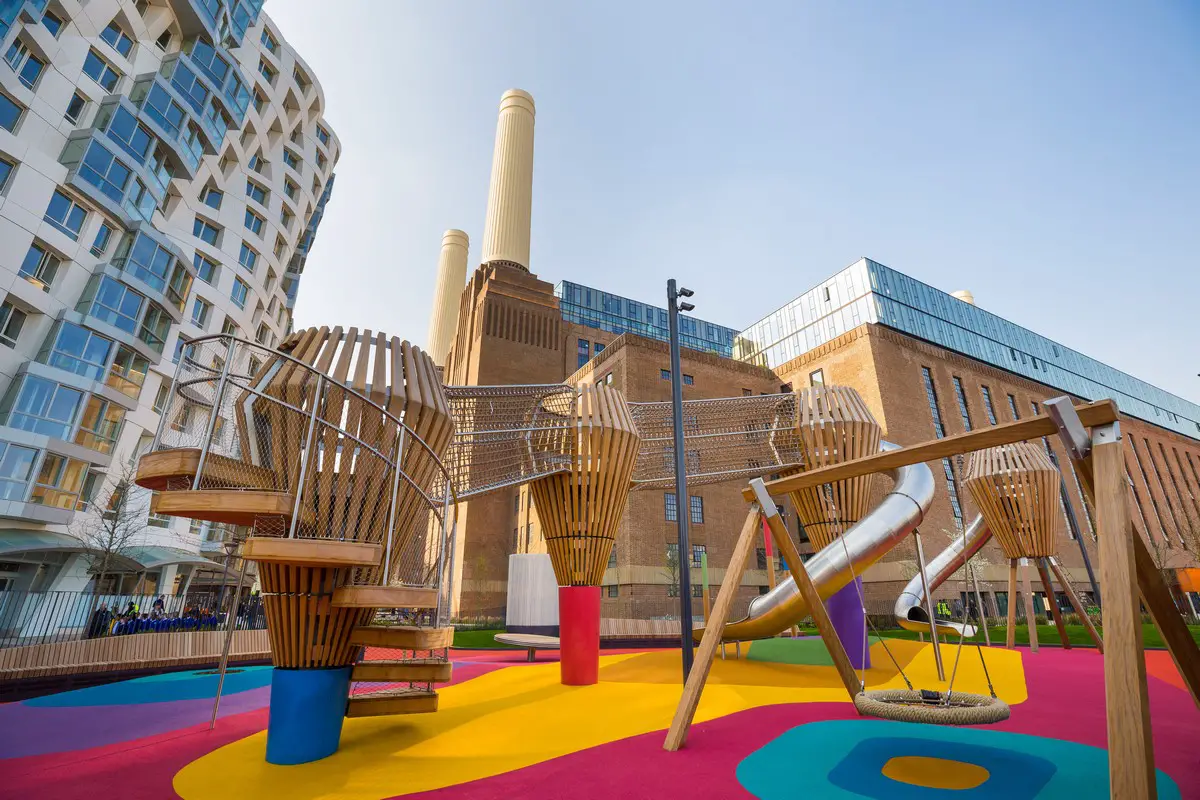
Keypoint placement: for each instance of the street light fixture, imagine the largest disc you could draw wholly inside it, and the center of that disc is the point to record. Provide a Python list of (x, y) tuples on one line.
[(682, 508)]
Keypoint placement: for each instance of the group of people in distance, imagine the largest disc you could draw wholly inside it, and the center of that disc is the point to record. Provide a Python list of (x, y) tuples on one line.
[(131, 619)]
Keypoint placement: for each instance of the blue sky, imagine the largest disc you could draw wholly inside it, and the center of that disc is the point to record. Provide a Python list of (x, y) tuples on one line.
[(1043, 155)]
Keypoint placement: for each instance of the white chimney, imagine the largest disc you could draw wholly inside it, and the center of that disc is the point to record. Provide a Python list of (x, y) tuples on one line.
[(451, 276), (964, 295), (510, 195)]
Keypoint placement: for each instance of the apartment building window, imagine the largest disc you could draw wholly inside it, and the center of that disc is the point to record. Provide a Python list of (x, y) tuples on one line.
[(584, 352), (257, 163), (212, 197), (16, 468), (611, 590), (256, 192), (39, 266), (53, 23), (267, 71), (99, 70), (263, 336), (260, 101), (1037, 412), (1012, 406), (698, 551), (987, 404), (321, 161), (665, 374), (688, 379), (65, 214), (673, 553), (44, 406), (12, 319), (290, 189), (612, 558), (103, 237), (74, 108), (241, 291), (670, 508), (6, 170), (206, 268), (206, 231), (163, 41), (99, 425), (117, 39), (27, 66), (200, 310), (747, 392), (10, 113), (76, 349), (816, 377), (254, 223), (229, 327), (322, 135), (128, 372), (697, 509), (961, 394), (285, 220), (291, 159), (301, 79), (269, 41), (58, 482)]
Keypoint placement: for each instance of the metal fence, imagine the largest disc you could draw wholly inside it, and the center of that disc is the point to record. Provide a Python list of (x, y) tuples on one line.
[(28, 618)]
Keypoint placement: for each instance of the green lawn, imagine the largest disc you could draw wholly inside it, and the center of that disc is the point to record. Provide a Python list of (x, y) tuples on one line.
[(1048, 634), (480, 638)]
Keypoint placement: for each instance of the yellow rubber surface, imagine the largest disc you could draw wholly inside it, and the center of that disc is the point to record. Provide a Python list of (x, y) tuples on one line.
[(522, 715)]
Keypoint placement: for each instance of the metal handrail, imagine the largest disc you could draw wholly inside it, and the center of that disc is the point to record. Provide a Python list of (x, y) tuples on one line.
[(328, 380)]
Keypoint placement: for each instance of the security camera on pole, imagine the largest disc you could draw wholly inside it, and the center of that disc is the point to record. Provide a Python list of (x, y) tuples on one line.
[(674, 306)]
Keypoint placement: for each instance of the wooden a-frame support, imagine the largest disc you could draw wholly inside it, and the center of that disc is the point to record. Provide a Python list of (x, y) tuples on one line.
[(715, 626)]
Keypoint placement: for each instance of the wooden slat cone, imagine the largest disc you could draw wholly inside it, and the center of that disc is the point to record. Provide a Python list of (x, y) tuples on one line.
[(834, 425), (580, 510), (1016, 487)]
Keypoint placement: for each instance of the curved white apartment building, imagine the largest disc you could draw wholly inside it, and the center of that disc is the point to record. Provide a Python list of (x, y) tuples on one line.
[(163, 168)]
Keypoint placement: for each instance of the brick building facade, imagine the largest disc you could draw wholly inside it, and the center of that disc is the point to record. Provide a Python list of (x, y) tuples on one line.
[(511, 331)]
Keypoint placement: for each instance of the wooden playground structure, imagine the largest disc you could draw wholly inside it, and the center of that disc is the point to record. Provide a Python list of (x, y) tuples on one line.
[(1006, 480)]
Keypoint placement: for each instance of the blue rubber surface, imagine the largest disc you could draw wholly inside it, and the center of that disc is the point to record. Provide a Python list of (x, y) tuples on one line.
[(168, 686)]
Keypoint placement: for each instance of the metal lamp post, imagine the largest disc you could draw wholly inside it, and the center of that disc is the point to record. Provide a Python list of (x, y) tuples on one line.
[(674, 306)]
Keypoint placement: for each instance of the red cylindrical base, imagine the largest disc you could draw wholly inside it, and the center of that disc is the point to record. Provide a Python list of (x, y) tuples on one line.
[(579, 634)]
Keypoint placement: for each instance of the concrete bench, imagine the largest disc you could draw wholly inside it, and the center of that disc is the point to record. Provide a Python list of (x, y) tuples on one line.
[(530, 641)]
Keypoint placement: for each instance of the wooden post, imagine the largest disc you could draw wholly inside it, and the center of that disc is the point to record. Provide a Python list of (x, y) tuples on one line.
[(1044, 574), (987, 638), (1077, 604), (713, 630), (1030, 614), (1011, 640), (787, 549), (1130, 747)]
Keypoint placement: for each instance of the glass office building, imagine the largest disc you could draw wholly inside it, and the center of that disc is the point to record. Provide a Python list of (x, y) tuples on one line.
[(587, 306), (868, 291)]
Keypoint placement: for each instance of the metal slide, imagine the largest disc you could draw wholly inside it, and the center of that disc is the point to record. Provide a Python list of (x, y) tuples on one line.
[(867, 541)]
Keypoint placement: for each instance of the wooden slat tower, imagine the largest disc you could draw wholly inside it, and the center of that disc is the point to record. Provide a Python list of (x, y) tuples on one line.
[(1016, 487), (834, 425), (580, 510), (322, 559)]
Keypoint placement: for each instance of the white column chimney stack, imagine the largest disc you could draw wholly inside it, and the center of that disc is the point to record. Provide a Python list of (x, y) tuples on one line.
[(451, 277), (510, 195)]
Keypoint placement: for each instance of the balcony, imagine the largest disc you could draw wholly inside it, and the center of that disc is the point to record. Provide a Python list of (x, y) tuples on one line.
[(160, 107)]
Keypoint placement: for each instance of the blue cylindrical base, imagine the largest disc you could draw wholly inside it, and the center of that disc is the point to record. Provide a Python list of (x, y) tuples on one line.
[(307, 709), (846, 613)]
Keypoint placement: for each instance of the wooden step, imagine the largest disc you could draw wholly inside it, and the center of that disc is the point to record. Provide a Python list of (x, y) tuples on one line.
[(419, 670), (312, 552), (384, 597), (234, 506), (392, 701), (402, 637), (156, 470)]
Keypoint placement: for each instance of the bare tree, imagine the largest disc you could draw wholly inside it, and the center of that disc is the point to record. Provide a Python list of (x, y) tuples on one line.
[(117, 523)]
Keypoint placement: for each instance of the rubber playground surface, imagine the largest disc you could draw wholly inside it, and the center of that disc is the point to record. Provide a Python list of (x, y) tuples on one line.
[(773, 724)]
